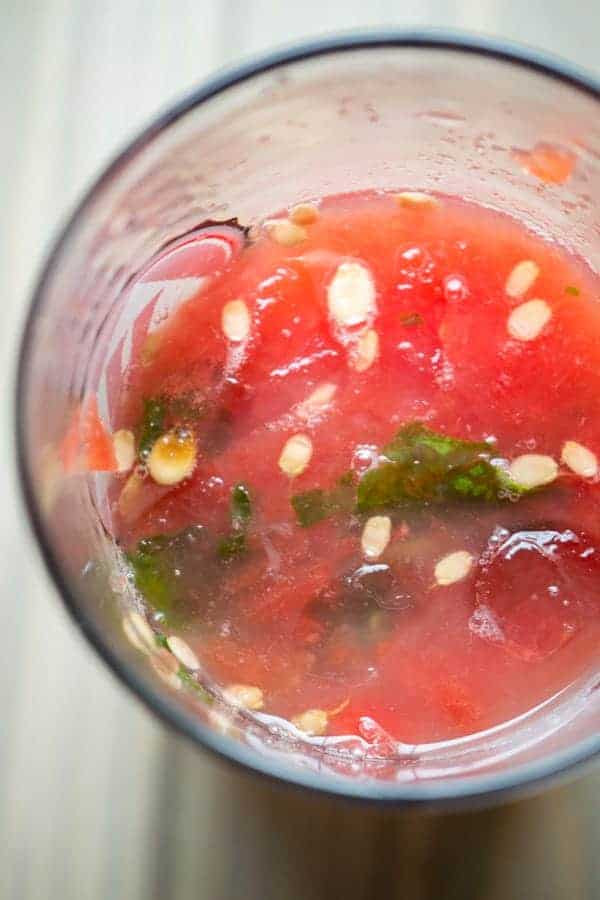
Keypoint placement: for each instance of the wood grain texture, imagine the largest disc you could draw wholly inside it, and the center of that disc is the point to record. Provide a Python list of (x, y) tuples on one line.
[(97, 801)]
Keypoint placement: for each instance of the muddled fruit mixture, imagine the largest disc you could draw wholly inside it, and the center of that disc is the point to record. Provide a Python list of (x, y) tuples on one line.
[(357, 476)]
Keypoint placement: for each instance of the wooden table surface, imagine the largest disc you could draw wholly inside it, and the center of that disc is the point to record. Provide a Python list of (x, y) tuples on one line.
[(97, 800)]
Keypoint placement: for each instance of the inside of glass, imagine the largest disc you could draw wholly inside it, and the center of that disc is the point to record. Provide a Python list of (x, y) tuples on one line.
[(413, 118)]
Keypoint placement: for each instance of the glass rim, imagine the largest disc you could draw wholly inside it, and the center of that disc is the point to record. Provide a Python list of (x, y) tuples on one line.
[(466, 790)]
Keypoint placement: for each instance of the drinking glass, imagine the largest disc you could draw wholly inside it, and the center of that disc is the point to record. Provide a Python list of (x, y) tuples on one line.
[(426, 112)]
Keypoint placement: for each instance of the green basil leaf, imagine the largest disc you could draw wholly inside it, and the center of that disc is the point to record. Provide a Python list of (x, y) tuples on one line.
[(311, 507), (168, 568), (231, 546), (152, 425), (241, 505), (424, 466), (190, 682), (315, 505)]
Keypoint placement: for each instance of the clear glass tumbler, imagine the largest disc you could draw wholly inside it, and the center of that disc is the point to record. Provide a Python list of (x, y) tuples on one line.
[(369, 111)]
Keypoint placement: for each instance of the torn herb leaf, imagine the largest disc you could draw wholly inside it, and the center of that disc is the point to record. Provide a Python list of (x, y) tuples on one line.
[(418, 467), (415, 439), (315, 505), (241, 505), (311, 507), (190, 682), (152, 425), (429, 467), (168, 569), (150, 576), (572, 290), (235, 543), (162, 413), (231, 546)]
